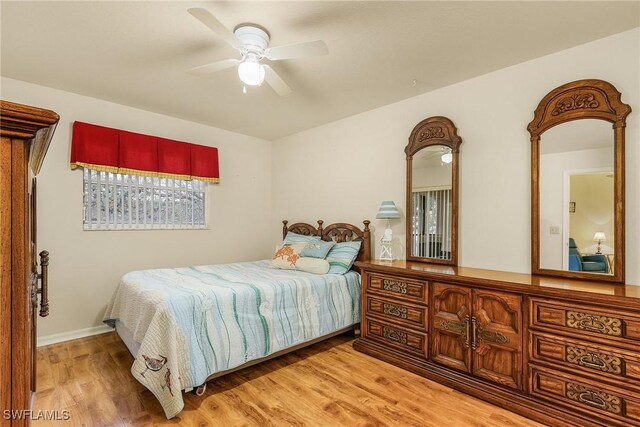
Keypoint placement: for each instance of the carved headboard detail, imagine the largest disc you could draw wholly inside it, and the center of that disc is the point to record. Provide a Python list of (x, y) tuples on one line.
[(299, 228), (338, 232)]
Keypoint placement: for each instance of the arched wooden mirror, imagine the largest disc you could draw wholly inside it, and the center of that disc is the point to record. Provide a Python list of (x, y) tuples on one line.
[(577, 182), (432, 192)]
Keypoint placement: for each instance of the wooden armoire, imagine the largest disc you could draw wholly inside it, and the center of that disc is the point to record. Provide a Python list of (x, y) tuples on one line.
[(25, 136)]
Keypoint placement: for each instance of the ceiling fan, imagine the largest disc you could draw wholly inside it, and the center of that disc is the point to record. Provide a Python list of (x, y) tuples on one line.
[(444, 153), (252, 41)]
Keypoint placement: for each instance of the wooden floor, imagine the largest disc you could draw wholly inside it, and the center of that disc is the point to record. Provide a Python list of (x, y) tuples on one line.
[(327, 384)]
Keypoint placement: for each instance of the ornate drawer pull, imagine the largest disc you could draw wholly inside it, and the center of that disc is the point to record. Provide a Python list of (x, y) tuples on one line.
[(394, 310), (457, 327), (490, 336), (394, 334), (394, 286), (594, 323), (592, 399), (453, 326), (595, 398), (474, 331), (44, 289), (590, 359)]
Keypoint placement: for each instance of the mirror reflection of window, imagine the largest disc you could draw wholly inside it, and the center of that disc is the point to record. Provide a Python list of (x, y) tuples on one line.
[(431, 202), (432, 223), (577, 197)]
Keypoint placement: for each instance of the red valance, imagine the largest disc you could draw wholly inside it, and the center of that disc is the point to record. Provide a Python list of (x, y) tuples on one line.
[(113, 150)]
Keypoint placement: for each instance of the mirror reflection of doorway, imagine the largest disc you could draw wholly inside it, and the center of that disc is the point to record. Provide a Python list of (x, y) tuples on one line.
[(588, 223), (576, 189)]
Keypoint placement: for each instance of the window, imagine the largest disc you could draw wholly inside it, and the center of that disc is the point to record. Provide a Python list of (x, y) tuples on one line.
[(431, 221), (114, 201)]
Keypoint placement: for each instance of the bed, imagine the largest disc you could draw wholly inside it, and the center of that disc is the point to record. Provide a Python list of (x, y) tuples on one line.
[(186, 326)]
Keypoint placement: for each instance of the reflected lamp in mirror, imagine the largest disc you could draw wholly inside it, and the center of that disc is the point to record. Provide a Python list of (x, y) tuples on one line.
[(599, 237), (387, 210)]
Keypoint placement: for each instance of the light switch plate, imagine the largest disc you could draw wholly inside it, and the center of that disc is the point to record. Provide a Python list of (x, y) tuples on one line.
[(554, 229)]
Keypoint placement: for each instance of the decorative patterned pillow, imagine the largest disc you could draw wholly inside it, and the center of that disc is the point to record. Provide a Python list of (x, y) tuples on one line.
[(317, 249), (287, 257), (292, 238), (342, 256)]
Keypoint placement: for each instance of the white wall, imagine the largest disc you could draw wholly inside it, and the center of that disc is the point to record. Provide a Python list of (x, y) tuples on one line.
[(341, 171), (430, 177), (86, 265)]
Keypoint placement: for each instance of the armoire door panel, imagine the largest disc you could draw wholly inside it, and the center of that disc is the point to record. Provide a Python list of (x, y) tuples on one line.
[(26, 133), (22, 321), (5, 276), (497, 337), (451, 307), (33, 250)]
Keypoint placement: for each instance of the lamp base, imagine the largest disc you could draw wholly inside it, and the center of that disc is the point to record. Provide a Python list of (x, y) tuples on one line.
[(385, 251)]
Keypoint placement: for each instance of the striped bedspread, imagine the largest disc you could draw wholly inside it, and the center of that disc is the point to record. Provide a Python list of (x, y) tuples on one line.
[(195, 321)]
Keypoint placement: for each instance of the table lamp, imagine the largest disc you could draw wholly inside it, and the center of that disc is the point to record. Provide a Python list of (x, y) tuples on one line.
[(599, 237), (388, 210)]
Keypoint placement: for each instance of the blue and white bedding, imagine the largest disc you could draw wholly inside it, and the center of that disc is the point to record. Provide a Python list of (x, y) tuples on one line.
[(195, 321)]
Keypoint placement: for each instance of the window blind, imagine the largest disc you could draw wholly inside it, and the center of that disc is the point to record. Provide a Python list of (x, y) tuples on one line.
[(431, 220), (114, 201)]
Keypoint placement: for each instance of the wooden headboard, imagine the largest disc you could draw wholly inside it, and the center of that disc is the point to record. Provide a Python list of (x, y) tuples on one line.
[(338, 232)]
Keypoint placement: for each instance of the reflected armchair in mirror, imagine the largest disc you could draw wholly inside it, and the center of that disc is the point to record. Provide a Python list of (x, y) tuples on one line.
[(596, 263)]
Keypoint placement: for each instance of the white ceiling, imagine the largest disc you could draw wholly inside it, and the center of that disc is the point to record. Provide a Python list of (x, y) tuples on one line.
[(429, 157), (577, 135), (136, 53)]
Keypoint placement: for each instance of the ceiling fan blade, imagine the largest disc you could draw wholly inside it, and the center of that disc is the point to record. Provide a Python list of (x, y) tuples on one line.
[(214, 67), (275, 81), (297, 50), (204, 16)]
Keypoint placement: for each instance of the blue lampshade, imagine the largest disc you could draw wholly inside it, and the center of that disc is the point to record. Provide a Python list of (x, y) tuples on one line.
[(388, 210)]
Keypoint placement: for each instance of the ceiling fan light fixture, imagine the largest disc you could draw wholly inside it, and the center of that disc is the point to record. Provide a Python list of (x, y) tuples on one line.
[(251, 73), (252, 43), (447, 157)]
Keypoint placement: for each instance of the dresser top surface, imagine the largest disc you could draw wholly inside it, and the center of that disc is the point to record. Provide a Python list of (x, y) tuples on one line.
[(513, 279)]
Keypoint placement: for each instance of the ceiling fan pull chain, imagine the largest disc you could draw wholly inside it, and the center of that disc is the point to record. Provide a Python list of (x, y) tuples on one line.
[(244, 88)]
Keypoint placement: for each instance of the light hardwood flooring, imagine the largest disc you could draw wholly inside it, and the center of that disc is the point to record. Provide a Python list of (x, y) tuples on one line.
[(327, 384)]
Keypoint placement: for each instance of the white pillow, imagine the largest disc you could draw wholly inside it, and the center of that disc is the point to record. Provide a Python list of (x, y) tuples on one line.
[(287, 257)]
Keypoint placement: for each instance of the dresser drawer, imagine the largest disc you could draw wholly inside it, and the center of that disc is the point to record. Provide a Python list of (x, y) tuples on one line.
[(596, 324), (403, 339), (398, 287), (588, 359), (406, 314), (613, 405)]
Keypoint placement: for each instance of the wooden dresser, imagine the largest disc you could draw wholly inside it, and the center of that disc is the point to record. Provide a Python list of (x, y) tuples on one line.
[(25, 135), (560, 351)]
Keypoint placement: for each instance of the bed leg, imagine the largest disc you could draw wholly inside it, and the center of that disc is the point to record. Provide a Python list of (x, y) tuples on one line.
[(356, 331), (201, 389)]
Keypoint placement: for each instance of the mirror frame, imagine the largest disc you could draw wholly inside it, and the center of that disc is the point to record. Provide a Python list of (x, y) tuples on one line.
[(437, 130), (581, 99)]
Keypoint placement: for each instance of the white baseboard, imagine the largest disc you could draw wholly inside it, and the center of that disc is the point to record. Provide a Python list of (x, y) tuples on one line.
[(72, 335)]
